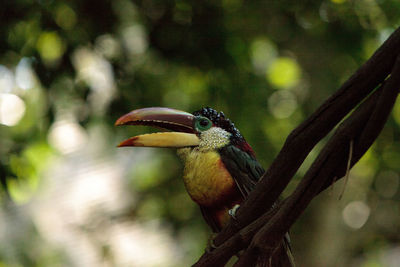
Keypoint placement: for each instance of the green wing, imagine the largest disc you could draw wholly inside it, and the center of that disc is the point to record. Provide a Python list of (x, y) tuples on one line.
[(246, 171), (244, 168)]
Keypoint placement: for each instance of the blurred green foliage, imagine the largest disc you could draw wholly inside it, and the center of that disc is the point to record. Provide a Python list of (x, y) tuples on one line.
[(68, 69)]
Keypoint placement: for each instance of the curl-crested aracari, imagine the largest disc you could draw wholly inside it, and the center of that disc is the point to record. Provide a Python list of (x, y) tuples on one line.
[(220, 167)]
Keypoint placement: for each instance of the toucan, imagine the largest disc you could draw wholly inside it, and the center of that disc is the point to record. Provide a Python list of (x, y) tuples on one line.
[(220, 167)]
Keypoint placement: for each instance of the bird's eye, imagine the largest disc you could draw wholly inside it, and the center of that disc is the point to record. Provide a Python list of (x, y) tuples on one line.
[(202, 124)]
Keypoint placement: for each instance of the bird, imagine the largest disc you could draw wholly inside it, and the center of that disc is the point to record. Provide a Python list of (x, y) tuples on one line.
[(220, 167)]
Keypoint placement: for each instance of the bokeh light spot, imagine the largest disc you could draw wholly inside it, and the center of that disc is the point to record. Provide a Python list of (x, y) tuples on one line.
[(67, 136), (391, 158), (387, 184), (19, 192), (282, 104), (98, 73), (108, 46), (356, 214), (6, 80), (12, 109), (28, 168), (50, 47), (263, 52), (284, 72), (135, 39), (24, 75), (65, 17)]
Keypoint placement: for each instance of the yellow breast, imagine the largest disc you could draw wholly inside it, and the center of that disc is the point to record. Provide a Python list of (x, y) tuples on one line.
[(205, 176)]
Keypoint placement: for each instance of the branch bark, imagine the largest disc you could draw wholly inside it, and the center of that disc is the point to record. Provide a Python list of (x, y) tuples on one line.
[(265, 227), (361, 128)]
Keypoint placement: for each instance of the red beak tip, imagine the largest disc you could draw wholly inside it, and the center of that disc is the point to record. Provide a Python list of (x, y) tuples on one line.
[(119, 122), (123, 144), (129, 142)]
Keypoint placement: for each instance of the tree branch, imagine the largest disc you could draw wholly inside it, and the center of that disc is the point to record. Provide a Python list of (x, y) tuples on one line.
[(363, 126), (303, 139), (238, 242), (330, 163)]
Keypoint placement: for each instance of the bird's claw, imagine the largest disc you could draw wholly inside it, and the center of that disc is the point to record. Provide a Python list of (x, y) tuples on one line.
[(210, 244), (232, 212)]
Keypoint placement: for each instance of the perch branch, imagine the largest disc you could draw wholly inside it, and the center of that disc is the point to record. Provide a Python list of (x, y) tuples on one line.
[(363, 126), (298, 145), (302, 140)]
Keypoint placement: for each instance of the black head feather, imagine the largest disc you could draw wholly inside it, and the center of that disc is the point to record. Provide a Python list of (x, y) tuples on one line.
[(219, 120)]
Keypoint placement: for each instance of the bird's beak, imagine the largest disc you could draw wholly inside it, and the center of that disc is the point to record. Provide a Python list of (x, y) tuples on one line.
[(180, 122)]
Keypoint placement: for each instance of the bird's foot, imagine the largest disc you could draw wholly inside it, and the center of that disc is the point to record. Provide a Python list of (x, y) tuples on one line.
[(232, 212), (210, 244)]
